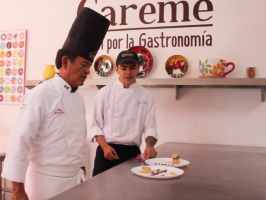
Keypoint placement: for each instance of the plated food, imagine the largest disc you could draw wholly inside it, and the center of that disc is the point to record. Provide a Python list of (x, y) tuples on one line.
[(174, 161), (146, 170), (176, 158), (157, 172)]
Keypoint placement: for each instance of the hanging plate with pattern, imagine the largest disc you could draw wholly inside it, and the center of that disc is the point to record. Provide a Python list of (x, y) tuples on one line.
[(176, 66), (146, 60), (103, 66)]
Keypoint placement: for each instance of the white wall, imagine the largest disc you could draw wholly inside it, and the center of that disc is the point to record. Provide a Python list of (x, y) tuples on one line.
[(211, 116)]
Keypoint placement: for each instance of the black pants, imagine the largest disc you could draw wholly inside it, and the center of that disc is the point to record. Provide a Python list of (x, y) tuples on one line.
[(124, 153)]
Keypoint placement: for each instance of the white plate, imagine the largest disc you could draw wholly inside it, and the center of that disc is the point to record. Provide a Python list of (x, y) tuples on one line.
[(164, 175), (166, 162)]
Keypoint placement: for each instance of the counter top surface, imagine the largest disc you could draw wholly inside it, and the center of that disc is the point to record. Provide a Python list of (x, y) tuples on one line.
[(215, 172)]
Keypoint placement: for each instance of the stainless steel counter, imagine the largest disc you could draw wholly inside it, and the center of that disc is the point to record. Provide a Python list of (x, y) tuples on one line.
[(215, 172)]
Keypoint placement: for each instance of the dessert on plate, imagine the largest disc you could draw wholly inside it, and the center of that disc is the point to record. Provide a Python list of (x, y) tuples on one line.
[(172, 173), (176, 158), (145, 170)]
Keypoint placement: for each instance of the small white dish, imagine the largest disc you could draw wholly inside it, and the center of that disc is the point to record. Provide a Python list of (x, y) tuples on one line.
[(165, 175), (166, 162)]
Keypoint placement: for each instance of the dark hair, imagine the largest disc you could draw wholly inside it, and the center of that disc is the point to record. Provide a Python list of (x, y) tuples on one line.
[(60, 54)]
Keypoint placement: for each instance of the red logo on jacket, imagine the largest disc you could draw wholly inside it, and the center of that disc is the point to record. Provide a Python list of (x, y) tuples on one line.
[(59, 111)]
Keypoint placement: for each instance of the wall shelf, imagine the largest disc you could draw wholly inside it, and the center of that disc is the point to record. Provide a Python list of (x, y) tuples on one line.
[(257, 83)]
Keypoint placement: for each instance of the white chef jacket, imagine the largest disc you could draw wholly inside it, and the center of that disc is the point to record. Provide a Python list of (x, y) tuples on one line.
[(123, 115), (50, 131)]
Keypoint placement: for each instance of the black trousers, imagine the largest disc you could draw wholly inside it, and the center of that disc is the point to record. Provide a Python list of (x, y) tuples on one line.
[(124, 153)]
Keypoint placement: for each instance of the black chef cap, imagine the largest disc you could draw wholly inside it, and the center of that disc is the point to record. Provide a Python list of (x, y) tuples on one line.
[(86, 34)]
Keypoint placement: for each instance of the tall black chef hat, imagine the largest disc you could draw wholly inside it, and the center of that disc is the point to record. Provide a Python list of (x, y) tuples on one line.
[(86, 34)]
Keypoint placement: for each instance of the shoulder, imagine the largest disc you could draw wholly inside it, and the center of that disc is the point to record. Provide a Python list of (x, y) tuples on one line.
[(109, 86), (107, 89), (43, 90), (143, 91), (43, 84)]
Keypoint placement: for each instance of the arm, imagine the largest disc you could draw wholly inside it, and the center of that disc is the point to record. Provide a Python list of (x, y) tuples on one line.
[(26, 126), (84, 151), (150, 130), (109, 152), (97, 125), (97, 120), (18, 191), (85, 158)]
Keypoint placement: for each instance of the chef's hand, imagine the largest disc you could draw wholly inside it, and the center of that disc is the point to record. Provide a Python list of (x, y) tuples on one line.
[(18, 191), (110, 153), (149, 152)]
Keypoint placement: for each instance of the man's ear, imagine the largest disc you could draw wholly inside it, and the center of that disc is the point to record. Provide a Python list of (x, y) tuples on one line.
[(64, 62), (116, 68)]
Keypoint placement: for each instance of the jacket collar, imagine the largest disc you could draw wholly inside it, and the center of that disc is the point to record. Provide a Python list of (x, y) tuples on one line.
[(121, 85), (63, 85)]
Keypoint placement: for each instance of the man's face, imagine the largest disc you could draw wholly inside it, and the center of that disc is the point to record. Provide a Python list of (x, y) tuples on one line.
[(128, 72), (77, 72)]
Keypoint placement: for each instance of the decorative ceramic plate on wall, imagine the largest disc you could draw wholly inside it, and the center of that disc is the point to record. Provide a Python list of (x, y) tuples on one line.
[(176, 66), (103, 66), (146, 60)]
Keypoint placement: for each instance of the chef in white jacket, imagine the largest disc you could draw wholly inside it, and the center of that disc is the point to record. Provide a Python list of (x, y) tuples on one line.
[(123, 112), (47, 149)]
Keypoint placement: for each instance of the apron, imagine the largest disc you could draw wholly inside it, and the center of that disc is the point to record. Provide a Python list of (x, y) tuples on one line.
[(41, 187)]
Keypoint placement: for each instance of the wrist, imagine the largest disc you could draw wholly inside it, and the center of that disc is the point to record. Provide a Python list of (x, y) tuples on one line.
[(104, 145), (150, 141), (101, 141), (150, 145), (18, 188)]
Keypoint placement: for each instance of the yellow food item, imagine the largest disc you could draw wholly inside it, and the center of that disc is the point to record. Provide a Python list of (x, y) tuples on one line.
[(2, 63), (20, 62), (2, 71), (15, 53), (3, 54), (172, 173), (146, 170), (13, 98), (176, 158)]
